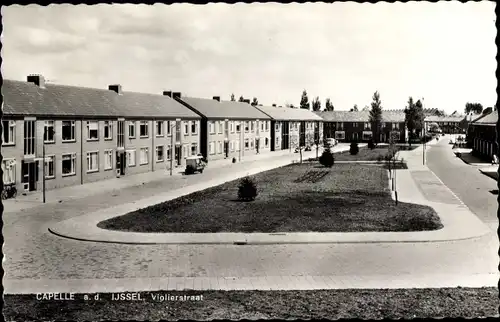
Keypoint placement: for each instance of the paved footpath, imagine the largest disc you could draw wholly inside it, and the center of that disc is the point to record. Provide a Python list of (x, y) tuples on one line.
[(37, 260)]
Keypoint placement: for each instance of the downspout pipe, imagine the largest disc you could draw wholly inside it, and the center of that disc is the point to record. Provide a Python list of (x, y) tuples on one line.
[(81, 151)]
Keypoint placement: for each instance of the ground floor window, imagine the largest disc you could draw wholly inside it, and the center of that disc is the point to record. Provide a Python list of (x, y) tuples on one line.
[(159, 153), (144, 156), (108, 159), (68, 164), (169, 152), (367, 135), (339, 135), (247, 144), (92, 161), (219, 147), (211, 147), (252, 144), (231, 146), (194, 149), (9, 171), (131, 158), (49, 167)]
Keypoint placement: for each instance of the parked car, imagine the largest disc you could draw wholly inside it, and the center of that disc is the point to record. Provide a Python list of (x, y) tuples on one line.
[(331, 142), (195, 163)]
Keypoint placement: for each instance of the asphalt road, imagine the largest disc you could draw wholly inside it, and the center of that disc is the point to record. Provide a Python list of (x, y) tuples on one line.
[(465, 180)]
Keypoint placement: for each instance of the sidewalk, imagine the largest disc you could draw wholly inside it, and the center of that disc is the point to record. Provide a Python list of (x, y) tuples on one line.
[(416, 185), (79, 191)]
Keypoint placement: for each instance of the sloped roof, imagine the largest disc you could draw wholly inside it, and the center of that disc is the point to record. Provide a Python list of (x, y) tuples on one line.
[(435, 118), (360, 116), (25, 98), (290, 114), (211, 108), (488, 119)]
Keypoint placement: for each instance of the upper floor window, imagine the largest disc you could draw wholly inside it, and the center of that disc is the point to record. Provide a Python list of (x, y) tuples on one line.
[(221, 127), (186, 127), (92, 130), (108, 130), (395, 126), (194, 127), (159, 128), (368, 125), (267, 125), (68, 131), (169, 127), (9, 132), (212, 127), (246, 126), (143, 129), (231, 126), (48, 132), (238, 126), (252, 126), (131, 129)]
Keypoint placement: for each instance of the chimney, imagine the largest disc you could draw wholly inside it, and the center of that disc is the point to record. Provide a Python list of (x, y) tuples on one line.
[(167, 93), (116, 88), (176, 95), (37, 79), (216, 98), (246, 101), (274, 105)]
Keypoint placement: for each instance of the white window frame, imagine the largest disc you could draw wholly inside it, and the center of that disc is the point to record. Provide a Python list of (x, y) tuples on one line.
[(367, 135), (145, 125), (169, 127), (9, 170), (231, 146), (221, 127), (72, 131), (267, 126), (277, 127), (130, 158), (108, 157), (11, 126), (46, 126), (46, 164), (395, 126), (186, 127), (131, 128), (159, 125), (231, 126), (89, 126), (194, 127), (89, 161), (368, 126), (195, 150), (339, 135), (247, 126), (109, 125), (157, 149), (211, 147), (247, 143), (169, 152), (141, 154), (238, 126), (72, 158), (211, 125)]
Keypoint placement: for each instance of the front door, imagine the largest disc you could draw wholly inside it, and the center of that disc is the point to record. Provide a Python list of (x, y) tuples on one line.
[(29, 173), (120, 162), (178, 155), (226, 149), (257, 145)]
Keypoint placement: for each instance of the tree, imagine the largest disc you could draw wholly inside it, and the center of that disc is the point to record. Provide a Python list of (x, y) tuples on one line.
[(328, 105), (376, 116), (316, 104), (355, 108), (242, 99), (304, 101), (475, 108), (419, 124), (247, 189), (366, 108), (414, 117), (232, 98), (255, 102)]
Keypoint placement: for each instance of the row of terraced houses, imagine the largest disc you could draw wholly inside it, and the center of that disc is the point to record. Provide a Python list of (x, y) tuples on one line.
[(93, 134)]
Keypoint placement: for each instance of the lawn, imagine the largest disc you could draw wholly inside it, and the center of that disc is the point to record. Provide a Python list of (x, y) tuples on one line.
[(235, 305), (366, 154), (295, 198)]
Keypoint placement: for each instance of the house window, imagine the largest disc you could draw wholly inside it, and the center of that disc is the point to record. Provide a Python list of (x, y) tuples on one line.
[(131, 158), (251, 144), (368, 125), (246, 127), (267, 142), (267, 126), (92, 130), (238, 126), (277, 127), (159, 153), (340, 125), (159, 128), (48, 132), (212, 127), (247, 144), (108, 159), (108, 130), (231, 126), (231, 146), (277, 140), (194, 127), (9, 170), (92, 161), (221, 126), (69, 164), (367, 135), (262, 126), (144, 156), (143, 129), (29, 137), (355, 124), (186, 127), (131, 130), (339, 135), (219, 147), (194, 149), (211, 148), (49, 166), (395, 126), (169, 152), (252, 126), (9, 132), (169, 127)]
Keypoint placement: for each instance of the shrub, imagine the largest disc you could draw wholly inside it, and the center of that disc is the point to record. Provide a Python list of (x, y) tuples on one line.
[(247, 189), (234, 160), (326, 159), (354, 148), (380, 157), (371, 145)]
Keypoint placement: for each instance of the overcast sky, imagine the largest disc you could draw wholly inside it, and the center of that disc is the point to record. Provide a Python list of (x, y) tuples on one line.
[(444, 52)]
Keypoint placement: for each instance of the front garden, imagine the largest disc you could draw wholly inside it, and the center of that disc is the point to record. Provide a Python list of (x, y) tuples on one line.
[(296, 198)]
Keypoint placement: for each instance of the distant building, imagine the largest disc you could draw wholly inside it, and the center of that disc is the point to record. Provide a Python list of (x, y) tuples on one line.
[(482, 135)]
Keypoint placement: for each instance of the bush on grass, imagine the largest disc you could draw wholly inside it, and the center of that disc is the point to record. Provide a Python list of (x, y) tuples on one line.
[(354, 149), (247, 189), (326, 159), (371, 145)]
